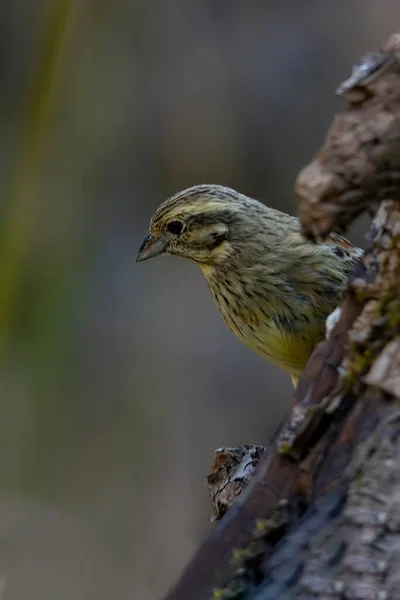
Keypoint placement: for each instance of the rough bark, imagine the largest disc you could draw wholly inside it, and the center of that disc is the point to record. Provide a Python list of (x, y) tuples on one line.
[(232, 470), (320, 517)]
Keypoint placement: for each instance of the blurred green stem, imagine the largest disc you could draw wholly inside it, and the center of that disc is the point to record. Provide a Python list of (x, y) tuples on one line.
[(24, 199)]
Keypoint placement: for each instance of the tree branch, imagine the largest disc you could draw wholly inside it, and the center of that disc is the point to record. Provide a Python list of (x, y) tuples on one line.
[(319, 518)]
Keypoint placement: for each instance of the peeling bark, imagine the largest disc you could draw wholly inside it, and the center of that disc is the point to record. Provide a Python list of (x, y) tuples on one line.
[(230, 474), (359, 163), (319, 519)]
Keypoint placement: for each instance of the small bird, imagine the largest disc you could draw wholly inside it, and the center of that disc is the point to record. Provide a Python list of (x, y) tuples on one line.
[(273, 288)]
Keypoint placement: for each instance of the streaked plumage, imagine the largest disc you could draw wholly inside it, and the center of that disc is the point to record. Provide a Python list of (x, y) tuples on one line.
[(273, 288)]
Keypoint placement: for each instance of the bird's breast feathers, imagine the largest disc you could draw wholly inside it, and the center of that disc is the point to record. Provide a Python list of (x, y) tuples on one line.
[(288, 346), (289, 350)]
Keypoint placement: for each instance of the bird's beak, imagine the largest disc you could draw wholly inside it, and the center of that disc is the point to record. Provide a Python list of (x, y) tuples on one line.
[(151, 246)]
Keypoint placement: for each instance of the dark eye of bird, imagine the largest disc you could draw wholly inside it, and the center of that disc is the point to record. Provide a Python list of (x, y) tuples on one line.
[(175, 227)]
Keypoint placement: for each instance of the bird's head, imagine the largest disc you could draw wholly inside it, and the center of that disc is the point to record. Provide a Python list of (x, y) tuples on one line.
[(202, 223)]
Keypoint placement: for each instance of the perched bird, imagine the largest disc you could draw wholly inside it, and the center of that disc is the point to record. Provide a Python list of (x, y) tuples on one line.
[(273, 288)]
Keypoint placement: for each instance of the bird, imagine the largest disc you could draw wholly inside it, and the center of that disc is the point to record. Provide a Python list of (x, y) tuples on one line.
[(274, 289)]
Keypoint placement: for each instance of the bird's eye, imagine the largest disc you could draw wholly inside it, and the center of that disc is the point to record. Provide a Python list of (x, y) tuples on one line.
[(175, 227)]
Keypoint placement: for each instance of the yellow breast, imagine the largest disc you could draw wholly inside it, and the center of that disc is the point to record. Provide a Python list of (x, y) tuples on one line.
[(287, 342), (289, 350)]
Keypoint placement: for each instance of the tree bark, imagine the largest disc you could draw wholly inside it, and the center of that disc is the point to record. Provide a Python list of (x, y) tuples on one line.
[(320, 518)]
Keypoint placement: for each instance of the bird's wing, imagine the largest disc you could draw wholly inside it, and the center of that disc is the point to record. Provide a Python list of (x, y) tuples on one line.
[(344, 249)]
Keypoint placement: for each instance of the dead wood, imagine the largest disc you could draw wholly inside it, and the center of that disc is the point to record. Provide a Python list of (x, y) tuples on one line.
[(320, 517)]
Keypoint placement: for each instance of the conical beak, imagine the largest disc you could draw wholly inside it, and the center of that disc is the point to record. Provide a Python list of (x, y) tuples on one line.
[(151, 246)]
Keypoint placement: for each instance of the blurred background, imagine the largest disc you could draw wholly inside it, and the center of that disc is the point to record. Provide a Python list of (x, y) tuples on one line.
[(119, 380)]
